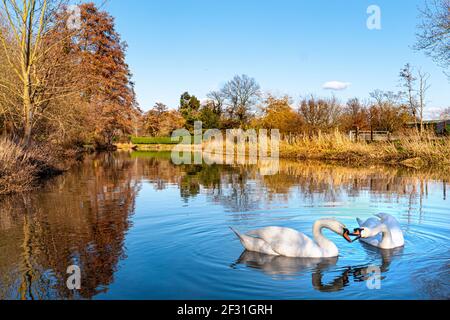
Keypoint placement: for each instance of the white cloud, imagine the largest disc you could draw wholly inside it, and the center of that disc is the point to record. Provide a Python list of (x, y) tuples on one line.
[(336, 85)]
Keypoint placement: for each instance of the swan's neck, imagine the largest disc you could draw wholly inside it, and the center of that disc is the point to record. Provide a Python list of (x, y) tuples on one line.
[(324, 243), (386, 236)]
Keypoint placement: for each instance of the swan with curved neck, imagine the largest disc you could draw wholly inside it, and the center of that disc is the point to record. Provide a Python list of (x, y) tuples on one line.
[(287, 242), (384, 232)]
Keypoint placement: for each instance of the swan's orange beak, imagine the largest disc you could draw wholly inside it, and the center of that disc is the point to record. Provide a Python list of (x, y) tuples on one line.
[(346, 235)]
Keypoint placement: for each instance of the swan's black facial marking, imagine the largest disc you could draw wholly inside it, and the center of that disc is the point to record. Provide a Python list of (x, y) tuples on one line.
[(357, 233), (346, 235)]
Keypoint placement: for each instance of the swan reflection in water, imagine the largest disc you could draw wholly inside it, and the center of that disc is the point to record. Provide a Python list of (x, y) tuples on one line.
[(387, 256), (287, 268)]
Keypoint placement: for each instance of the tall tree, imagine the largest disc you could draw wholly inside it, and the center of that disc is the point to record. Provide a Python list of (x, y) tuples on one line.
[(354, 116), (37, 72), (189, 109), (153, 119), (7, 100), (434, 32), (110, 91), (161, 122), (240, 95), (217, 99), (423, 79), (160, 108), (278, 114), (381, 96), (387, 113), (172, 120), (408, 81), (210, 115), (319, 114)]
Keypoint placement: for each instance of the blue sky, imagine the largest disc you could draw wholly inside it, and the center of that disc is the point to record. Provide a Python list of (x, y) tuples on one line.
[(290, 46)]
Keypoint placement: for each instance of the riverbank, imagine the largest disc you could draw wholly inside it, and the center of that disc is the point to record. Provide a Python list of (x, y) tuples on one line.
[(23, 169), (144, 147), (412, 151)]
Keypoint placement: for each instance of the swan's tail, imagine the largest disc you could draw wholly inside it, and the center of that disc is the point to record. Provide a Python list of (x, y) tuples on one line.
[(254, 244), (236, 233), (244, 239)]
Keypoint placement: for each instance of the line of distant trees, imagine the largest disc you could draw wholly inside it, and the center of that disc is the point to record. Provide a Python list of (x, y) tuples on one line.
[(242, 104), (68, 83)]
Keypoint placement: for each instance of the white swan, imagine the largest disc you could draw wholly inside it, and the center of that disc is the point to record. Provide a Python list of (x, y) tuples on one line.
[(383, 233), (287, 242)]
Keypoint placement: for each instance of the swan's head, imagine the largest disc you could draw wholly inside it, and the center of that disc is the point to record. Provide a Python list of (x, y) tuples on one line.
[(340, 229), (343, 231), (334, 226), (363, 233), (346, 234)]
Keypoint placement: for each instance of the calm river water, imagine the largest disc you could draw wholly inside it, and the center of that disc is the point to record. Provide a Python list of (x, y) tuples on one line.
[(140, 227)]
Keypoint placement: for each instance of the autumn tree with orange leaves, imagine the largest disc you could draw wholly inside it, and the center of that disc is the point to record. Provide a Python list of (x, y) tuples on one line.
[(278, 114), (59, 82), (109, 91)]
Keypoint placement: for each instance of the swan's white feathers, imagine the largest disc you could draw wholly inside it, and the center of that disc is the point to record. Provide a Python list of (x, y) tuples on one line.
[(255, 244), (287, 242), (371, 223), (396, 235), (291, 243)]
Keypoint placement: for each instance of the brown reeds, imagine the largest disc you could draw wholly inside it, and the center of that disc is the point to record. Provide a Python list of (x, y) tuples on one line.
[(22, 168)]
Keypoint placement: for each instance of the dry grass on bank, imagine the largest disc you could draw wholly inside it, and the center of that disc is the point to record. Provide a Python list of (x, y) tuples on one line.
[(22, 168), (414, 149), (429, 149), (334, 146)]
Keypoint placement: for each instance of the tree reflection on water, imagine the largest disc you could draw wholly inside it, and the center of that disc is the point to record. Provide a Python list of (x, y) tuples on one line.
[(82, 217)]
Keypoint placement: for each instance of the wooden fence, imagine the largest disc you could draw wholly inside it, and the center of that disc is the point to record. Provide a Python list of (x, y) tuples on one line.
[(357, 135)]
